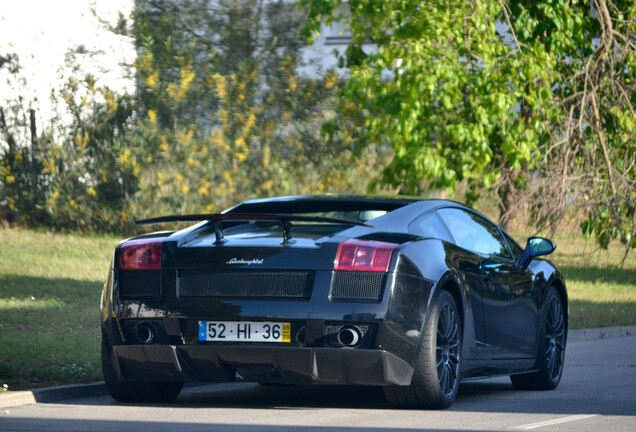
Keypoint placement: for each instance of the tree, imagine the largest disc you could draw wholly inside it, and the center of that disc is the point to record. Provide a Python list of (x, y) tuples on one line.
[(591, 163), (234, 118), (22, 181), (533, 100), (449, 89)]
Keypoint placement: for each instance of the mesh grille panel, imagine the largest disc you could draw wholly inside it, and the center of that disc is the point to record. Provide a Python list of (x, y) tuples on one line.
[(139, 283), (365, 286), (208, 283)]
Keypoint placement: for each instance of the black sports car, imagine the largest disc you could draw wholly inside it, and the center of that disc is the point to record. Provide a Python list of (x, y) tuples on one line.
[(411, 295)]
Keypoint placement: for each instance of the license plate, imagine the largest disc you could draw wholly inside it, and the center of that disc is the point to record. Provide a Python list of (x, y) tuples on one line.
[(244, 331)]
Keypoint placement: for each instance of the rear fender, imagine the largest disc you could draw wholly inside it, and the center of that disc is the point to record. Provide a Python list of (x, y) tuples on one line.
[(419, 267)]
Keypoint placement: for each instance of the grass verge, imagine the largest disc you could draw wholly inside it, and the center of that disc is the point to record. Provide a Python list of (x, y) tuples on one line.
[(50, 285), (601, 293)]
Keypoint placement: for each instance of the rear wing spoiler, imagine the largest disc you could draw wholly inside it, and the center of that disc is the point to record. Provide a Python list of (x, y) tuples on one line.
[(217, 219)]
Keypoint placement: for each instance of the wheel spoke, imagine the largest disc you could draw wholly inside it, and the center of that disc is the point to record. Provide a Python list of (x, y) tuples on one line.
[(452, 336), (553, 365), (445, 322), (449, 379), (442, 376), (453, 372), (550, 362), (450, 321)]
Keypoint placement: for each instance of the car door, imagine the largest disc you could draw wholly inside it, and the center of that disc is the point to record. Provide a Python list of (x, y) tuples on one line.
[(510, 316)]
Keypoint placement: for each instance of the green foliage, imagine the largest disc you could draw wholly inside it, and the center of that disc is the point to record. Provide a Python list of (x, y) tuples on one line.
[(90, 178), (21, 177), (221, 115), (532, 100), (590, 163), (454, 97)]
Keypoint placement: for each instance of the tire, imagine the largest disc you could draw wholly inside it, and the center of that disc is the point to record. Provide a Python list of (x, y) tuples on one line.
[(136, 391), (437, 369), (551, 348)]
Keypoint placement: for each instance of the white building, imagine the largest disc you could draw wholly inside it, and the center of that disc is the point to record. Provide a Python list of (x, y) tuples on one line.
[(42, 32)]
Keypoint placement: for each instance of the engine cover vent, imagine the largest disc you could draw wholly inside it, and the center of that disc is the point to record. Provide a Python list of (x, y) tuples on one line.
[(358, 286), (244, 284), (139, 283)]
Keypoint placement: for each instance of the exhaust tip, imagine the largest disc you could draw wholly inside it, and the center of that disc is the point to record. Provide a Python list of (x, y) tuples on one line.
[(349, 336), (145, 333)]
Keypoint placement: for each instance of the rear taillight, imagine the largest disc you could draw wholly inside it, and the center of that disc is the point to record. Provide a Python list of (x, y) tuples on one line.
[(141, 254), (364, 255)]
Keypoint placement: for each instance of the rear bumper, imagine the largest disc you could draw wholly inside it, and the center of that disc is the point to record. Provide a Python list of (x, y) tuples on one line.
[(276, 364)]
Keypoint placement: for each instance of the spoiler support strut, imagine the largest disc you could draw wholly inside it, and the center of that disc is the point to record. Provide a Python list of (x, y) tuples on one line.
[(218, 218)]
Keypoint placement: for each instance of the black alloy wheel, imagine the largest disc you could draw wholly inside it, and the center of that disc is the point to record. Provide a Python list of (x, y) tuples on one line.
[(437, 370), (448, 350), (551, 353), (555, 339)]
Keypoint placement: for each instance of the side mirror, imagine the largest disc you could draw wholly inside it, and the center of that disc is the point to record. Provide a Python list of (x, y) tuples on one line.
[(539, 246), (535, 247)]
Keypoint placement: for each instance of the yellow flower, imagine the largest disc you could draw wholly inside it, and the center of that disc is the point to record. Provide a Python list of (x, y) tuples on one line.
[(152, 80), (219, 141), (9, 179), (293, 83), (249, 124), (125, 157), (152, 115), (331, 79), (111, 100), (228, 178), (266, 186), (164, 144), (204, 188), (149, 159), (49, 166), (92, 192), (220, 83), (239, 143), (73, 204), (161, 179), (266, 155)]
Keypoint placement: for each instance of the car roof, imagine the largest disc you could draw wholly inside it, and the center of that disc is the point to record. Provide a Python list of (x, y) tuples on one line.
[(400, 208), (321, 203)]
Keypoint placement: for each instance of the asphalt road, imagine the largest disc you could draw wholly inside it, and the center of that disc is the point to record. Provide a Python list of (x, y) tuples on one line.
[(597, 393)]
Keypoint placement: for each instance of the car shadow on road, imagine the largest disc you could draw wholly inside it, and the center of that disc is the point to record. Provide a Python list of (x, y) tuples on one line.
[(489, 396)]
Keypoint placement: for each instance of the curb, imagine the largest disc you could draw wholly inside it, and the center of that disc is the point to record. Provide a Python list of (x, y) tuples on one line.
[(52, 394), (600, 333), (56, 394)]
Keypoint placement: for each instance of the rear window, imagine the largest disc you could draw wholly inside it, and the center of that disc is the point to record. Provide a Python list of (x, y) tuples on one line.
[(430, 225)]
